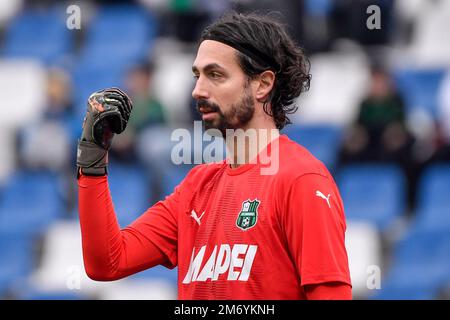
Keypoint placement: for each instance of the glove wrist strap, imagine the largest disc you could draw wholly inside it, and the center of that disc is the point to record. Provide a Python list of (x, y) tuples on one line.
[(92, 159)]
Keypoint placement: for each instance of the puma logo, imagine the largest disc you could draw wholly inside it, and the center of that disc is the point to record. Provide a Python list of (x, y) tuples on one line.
[(321, 195), (196, 218)]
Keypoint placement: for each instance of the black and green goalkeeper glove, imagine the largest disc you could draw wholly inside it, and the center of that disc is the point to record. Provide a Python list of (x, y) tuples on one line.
[(108, 112)]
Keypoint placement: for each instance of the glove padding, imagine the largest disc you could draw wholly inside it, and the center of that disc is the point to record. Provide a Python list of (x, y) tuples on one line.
[(108, 112)]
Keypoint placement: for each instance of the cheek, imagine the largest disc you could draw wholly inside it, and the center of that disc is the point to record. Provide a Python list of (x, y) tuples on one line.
[(229, 94)]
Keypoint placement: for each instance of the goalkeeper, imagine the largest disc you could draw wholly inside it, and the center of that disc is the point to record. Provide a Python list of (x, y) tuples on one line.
[(233, 232)]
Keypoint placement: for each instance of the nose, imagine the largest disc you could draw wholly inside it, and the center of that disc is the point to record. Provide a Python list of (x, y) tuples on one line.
[(200, 91)]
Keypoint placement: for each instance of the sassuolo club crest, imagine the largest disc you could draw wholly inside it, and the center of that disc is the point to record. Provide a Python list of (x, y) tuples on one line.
[(248, 216)]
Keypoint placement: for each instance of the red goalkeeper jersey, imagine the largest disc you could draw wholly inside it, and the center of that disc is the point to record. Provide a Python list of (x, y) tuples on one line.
[(233, 233)]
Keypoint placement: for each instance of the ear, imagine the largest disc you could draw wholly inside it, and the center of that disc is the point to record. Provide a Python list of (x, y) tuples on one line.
[(266, 81)]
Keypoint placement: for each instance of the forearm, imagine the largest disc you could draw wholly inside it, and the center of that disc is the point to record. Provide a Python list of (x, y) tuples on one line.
[(108, 252)]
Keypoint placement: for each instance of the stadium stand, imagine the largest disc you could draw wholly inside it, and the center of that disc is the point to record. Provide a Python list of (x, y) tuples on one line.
[(31, 202), (16, 259), (18, 76), (39, 34), (40, 242), (423, 254), (327, 102), (321, 140), (364, 249), (419, 87), (373, 193), (132, 201), (35, 294), (434, 186), (420, 266), (127, 32), (61, 271)]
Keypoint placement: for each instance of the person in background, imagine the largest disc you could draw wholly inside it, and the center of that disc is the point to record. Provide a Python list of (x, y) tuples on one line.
[(379, 133), (54, 124), (147, 111)]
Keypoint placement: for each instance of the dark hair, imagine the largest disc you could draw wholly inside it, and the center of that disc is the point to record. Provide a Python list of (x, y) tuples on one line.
[(265, 37)]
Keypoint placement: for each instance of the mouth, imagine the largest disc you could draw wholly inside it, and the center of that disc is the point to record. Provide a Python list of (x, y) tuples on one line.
[(207, 114)]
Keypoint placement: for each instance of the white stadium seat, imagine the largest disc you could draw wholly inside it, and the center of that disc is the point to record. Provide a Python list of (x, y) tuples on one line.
[(7, 158), (23, 92), (62, 270), (363, 244), (338, 83), (173, 81)]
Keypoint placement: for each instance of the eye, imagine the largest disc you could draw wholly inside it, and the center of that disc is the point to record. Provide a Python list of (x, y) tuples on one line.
[(196, 76), (215, 75)]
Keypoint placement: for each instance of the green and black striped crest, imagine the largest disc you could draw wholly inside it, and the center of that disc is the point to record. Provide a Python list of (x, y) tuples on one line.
[(249, 214)]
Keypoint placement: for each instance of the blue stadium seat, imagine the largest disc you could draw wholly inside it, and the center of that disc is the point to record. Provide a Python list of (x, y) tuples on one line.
[(130, 191), (16, 258), (38, 34), (433, 209), (430, 219), (419, 88), (421, 260), (35, 294), (31, 201), (420, 266), (159, 273), (416, 293), (373, 193), (122, 22), (320, 8), (90, 78), (322, 141), (434, 186), (172, 176), (119, 35)]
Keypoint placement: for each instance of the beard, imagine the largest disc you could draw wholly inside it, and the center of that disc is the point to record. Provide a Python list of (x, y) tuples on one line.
[(238, 116)]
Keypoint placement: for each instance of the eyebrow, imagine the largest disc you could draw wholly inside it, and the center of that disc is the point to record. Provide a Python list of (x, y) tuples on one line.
[(208, 67)]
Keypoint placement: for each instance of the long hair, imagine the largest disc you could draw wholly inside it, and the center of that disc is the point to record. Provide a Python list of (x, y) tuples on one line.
[(271, 48)]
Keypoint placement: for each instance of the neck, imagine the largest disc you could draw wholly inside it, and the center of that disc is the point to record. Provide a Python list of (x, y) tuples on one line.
[(244, 144)]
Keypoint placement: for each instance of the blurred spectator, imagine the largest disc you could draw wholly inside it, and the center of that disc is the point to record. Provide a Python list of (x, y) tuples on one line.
[(46, 142), (59, 96), (380, 133), (147, 111)]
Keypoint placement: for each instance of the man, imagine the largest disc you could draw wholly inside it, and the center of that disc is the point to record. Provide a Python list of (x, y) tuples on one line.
[(233, 232)]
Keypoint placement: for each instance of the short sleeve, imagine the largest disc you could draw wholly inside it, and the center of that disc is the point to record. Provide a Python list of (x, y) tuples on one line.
[(314, 223)]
